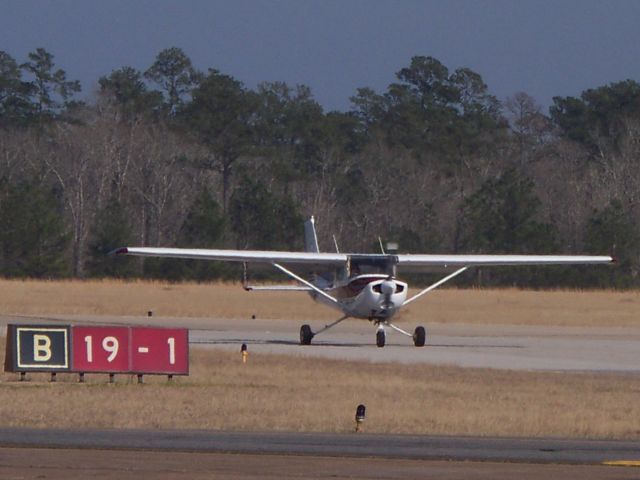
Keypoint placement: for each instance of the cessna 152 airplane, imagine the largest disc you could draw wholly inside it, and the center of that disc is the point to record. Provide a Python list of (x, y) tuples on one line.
[(360, 285)]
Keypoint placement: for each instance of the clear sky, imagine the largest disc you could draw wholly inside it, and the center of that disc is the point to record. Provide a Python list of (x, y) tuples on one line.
[(544, 47)]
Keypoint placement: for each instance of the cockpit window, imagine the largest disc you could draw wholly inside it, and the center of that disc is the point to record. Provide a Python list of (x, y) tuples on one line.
[(382, 264)]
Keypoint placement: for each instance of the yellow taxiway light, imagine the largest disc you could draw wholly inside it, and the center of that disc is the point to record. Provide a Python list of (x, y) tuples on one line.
[(244, 352)]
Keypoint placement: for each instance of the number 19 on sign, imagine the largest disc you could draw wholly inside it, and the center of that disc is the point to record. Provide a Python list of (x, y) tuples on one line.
[(101, 349), (109, 344)]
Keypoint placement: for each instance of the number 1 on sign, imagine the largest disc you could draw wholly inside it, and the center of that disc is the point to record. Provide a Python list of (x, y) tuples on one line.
[(87, 340), (172, 350)]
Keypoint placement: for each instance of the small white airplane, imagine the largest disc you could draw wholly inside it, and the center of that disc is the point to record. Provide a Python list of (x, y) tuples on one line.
[(360, 285)]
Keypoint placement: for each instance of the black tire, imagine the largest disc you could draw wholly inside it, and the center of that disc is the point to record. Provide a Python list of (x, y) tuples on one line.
[(419, 337), (306, 335), (380, 338)]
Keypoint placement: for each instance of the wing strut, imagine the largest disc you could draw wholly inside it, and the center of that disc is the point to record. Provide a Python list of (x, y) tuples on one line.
[(327, 327), (308, 284), (435, 285)]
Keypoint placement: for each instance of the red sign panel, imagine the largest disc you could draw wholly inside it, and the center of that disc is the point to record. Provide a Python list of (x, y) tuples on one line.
[(160, 350), (101, 349)]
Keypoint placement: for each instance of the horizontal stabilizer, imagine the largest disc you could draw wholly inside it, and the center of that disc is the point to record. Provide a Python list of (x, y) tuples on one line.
[(277, 288)]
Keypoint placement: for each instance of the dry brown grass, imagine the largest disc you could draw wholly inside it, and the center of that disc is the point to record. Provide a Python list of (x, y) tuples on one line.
[(301, 394), (221, 300)]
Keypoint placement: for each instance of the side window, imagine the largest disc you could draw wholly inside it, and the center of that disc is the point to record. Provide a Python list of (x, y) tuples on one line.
[(342, 273)]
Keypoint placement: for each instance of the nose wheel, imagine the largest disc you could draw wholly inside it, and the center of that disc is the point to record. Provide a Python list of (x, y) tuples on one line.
[(381, 337)]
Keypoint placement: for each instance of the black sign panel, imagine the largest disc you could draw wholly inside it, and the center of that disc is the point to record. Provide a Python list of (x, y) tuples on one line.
[(40, 348)]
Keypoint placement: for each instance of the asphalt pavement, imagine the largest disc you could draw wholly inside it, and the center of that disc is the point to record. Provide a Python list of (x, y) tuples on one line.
[(417, 447)]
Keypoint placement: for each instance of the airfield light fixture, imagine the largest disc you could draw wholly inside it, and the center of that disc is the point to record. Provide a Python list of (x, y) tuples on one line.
[(360, 414)]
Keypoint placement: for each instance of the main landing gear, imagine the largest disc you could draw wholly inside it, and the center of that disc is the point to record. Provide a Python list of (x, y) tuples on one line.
[(306, 335), (419, 334)]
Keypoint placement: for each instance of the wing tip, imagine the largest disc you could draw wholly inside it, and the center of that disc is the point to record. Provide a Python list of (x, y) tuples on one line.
[(119, 251)]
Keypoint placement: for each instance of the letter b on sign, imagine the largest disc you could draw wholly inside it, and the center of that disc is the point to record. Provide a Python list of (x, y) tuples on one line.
[(41, 348)]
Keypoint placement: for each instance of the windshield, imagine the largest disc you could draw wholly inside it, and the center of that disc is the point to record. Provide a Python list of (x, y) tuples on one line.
[(370, 264)]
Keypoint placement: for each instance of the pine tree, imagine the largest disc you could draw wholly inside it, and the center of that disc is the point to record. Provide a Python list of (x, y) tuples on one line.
[(33, 239), (612, 231), (112, 230), (203, 227)]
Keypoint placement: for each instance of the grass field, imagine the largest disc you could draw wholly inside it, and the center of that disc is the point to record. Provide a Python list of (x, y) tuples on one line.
[(301, 394), (275, 392), (506, 306)]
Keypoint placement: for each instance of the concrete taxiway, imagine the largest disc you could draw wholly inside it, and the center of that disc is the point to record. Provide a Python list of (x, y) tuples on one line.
[(484, 346)]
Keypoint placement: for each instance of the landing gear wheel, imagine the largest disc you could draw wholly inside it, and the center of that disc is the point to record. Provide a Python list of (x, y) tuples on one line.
[(419, 336), (305, 335), (380, 338)]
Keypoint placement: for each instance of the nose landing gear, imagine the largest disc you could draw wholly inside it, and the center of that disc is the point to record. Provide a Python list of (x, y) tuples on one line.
[(381, 336)]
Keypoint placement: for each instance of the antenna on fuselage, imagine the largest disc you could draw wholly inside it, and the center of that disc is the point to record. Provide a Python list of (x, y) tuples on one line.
[(335, 242), (381, 246)]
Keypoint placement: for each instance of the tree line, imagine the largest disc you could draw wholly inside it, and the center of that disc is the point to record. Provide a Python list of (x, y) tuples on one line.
[(174, 156)]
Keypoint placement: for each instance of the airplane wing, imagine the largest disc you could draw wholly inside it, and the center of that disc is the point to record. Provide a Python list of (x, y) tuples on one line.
[(339, 259), (418, 260), (310, 258)]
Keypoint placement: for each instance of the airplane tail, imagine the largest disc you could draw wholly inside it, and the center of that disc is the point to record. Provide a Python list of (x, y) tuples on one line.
[(310, 237)]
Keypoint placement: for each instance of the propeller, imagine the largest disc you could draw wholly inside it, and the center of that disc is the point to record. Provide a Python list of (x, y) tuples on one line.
[(388, 288)]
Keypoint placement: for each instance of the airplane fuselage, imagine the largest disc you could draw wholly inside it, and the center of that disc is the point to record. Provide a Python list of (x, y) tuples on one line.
[(369, 296)]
